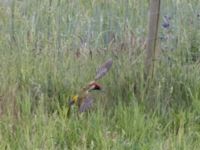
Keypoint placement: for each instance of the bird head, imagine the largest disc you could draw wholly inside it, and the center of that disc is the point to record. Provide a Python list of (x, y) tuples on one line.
[(94, 86)]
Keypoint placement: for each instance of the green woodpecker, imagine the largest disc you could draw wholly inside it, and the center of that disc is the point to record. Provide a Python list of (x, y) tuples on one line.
[(84, 99)]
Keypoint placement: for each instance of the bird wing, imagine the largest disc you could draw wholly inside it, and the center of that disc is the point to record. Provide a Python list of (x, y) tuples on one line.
[(86, 104), (103, 69)]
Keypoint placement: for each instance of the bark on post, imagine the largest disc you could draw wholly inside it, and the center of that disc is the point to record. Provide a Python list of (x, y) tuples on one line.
[(154, 13)]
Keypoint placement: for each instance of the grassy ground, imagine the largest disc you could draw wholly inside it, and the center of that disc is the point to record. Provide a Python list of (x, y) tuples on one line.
[(50, 49)]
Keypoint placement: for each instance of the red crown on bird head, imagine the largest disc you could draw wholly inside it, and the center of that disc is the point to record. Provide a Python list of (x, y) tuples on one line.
[(94, 86)]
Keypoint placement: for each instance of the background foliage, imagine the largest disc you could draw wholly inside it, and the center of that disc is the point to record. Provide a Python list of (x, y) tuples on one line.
[(50, 49)]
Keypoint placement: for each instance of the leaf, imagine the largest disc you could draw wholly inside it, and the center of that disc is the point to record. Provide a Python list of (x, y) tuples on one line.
[(103, 69)]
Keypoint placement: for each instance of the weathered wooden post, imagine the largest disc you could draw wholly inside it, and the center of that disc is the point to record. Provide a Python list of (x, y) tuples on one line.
[(153, 24)]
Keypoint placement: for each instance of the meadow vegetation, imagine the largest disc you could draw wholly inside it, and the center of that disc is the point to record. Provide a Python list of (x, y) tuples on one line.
[(50, 49)]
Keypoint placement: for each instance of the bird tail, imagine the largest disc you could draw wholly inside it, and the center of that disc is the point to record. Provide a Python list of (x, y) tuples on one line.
[(69, 107), (69, 111)]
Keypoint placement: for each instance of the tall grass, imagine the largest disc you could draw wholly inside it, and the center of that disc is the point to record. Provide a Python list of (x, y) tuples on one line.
[(50, 49)]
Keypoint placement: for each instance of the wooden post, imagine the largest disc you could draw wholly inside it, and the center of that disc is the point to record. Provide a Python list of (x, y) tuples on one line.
[(154, 13), (13, 40)]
